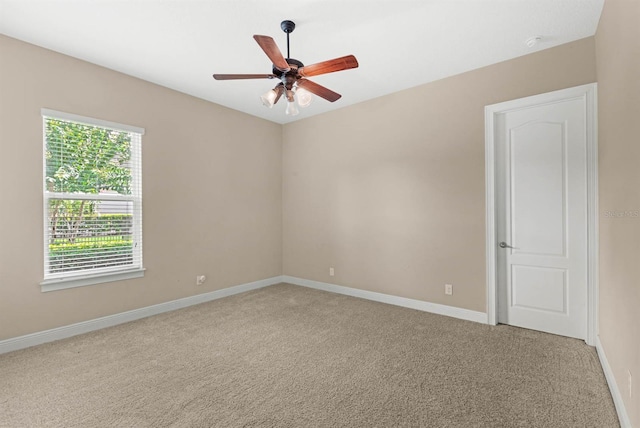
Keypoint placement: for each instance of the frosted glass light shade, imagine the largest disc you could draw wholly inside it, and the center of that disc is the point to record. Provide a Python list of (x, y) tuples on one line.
[(291, 110), (268, 98), (304, 97)]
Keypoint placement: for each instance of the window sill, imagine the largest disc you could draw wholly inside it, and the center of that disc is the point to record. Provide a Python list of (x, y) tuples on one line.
[(81, 281)]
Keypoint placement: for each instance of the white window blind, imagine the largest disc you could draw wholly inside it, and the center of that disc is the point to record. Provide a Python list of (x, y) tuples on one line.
[(92, 197)]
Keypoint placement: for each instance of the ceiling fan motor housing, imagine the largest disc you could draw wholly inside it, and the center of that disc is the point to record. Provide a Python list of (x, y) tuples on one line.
[(289, 77)]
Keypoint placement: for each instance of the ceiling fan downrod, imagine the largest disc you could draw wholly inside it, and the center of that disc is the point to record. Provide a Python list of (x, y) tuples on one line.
[(288, 27)]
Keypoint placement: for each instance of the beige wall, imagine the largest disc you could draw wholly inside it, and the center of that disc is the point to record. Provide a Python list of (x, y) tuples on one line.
[(211, 188), (618, 68), (390, 192)]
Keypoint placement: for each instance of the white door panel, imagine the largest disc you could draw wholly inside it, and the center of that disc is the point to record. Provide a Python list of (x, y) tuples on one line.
[(538, 171), (540, 288), (542, 216)]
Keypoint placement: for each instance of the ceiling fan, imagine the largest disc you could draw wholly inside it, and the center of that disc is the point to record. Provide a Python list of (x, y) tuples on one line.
[(293, 74)]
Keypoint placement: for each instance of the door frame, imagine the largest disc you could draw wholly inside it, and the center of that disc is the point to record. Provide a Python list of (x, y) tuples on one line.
[(588, 93)]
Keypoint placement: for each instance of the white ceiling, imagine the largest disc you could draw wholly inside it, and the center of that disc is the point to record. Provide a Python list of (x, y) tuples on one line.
[(399, 44)]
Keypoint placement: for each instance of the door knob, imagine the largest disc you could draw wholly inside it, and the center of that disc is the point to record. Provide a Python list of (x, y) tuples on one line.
[(505, 245)]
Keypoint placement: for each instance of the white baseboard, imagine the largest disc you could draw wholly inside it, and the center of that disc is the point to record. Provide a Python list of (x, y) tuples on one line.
[(63, 332), (625, 422), (420, 305), (38, 338)]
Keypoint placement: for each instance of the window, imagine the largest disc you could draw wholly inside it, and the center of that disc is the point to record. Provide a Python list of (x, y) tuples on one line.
[(92, 201)]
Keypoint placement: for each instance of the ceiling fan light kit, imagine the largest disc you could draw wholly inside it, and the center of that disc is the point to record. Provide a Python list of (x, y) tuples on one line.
[(293, 74)]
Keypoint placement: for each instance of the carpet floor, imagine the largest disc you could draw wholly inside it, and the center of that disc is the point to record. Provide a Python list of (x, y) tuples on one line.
[(288, 356)]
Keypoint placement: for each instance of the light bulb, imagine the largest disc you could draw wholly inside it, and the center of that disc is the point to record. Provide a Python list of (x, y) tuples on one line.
[(291, 110), (304, 97), (268, 98)]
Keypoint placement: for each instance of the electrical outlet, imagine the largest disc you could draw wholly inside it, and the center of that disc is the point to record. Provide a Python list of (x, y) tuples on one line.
[(331, 271), (448, 289), (630, 383), (200, 279)]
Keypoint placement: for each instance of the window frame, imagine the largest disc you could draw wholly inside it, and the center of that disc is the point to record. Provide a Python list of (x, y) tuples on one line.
[(64, 280)]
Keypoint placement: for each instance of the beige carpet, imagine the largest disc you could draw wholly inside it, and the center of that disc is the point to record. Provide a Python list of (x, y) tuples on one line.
[(287, 356)]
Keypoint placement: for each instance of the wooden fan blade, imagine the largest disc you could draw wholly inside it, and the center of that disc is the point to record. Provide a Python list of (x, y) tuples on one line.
[(242, 76), (319, 90), (271, 49), (338, 64)]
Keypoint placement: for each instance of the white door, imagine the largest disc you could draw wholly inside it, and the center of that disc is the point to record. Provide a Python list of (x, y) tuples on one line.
[(541, 217)]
